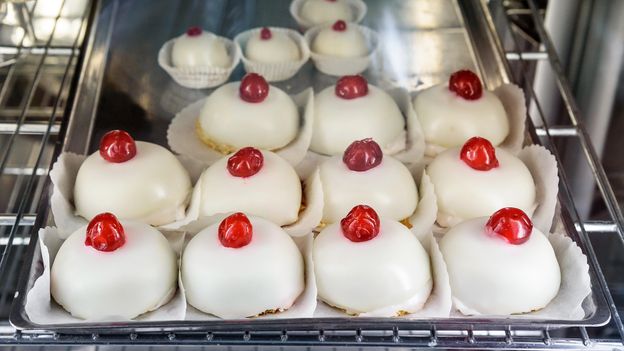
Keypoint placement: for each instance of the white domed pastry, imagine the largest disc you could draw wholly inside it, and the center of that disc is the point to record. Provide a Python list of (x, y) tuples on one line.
[(340, 40), (326, 11), (354, 110), (451, 114), (113, 270), (363, 175), (248, 113), (501, 265), (269, 46), (364, 263), (198, 48), (242, 267), (134, 180), (479, 179), (256, 182)]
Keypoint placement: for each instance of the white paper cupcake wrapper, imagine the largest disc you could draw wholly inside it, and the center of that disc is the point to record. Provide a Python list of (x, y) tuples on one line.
[(543, 167), (575, 284), (183, 139), (274, 72), (437, 305), (308, 219), (63, 177), (341, 66), (199, 77), (358, 8), (41, 308), (303, 307), (409, 148), (513, 100), (425, 215)]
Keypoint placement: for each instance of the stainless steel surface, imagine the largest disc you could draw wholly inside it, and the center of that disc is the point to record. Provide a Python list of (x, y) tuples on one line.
[(121, 87)]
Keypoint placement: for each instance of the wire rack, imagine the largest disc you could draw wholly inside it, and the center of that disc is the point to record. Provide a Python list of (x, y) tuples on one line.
[(37, 93)]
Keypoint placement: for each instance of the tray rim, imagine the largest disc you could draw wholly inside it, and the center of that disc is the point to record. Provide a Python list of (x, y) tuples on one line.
[(494, 76)]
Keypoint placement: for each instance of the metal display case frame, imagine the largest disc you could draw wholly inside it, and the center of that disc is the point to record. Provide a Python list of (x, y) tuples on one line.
[(79, 94)]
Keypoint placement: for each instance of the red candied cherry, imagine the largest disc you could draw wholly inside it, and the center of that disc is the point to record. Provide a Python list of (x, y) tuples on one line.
[(512, 224), (362, 155), (194, 31), (351, 87), (105, 233), (361, 224), (265, 33), (235, 231), (117, 146), (340, 26), (466, 84), (479, 154), (245, 162), (253, 88)]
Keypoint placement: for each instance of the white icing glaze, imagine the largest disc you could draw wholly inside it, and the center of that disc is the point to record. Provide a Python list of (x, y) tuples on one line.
[(136, 278), (361, 277), (273, 193), (152, 187), (279, 48), (490, 276), (348, 43), (204, 50), (389, 188), (323, 11), (338, 122), (266, 274), (449, 120), (227, 119), (464, 193)]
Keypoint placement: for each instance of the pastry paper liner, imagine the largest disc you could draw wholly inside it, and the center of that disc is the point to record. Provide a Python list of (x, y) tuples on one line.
[(575, 285), (513, 100), (543, 167), (409, 147), (303, 306), (437, 305), (278, 71), (199, 77), (63, 177), (183, 139), (341, 66), (358, 8), (42, 309), (308, 219)]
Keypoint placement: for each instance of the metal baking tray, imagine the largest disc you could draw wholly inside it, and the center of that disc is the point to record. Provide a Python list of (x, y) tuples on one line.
[(121, 86)]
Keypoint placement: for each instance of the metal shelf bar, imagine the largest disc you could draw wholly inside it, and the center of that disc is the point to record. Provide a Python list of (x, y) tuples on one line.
[(589, 152), (575, 117), (31, 179)]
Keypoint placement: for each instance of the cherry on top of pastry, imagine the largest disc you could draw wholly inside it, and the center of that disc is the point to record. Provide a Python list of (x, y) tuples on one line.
[(265, 33), (253, 88), (362, 155), (361, 224), (339, 26), (466, 84), (510, 223), (194, 31), (479, 154), (117, 146), (235, 231), (351, 87), (245, 162), (105, 233)]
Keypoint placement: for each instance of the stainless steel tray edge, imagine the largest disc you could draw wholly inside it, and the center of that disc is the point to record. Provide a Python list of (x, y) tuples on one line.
[(491, 65)]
